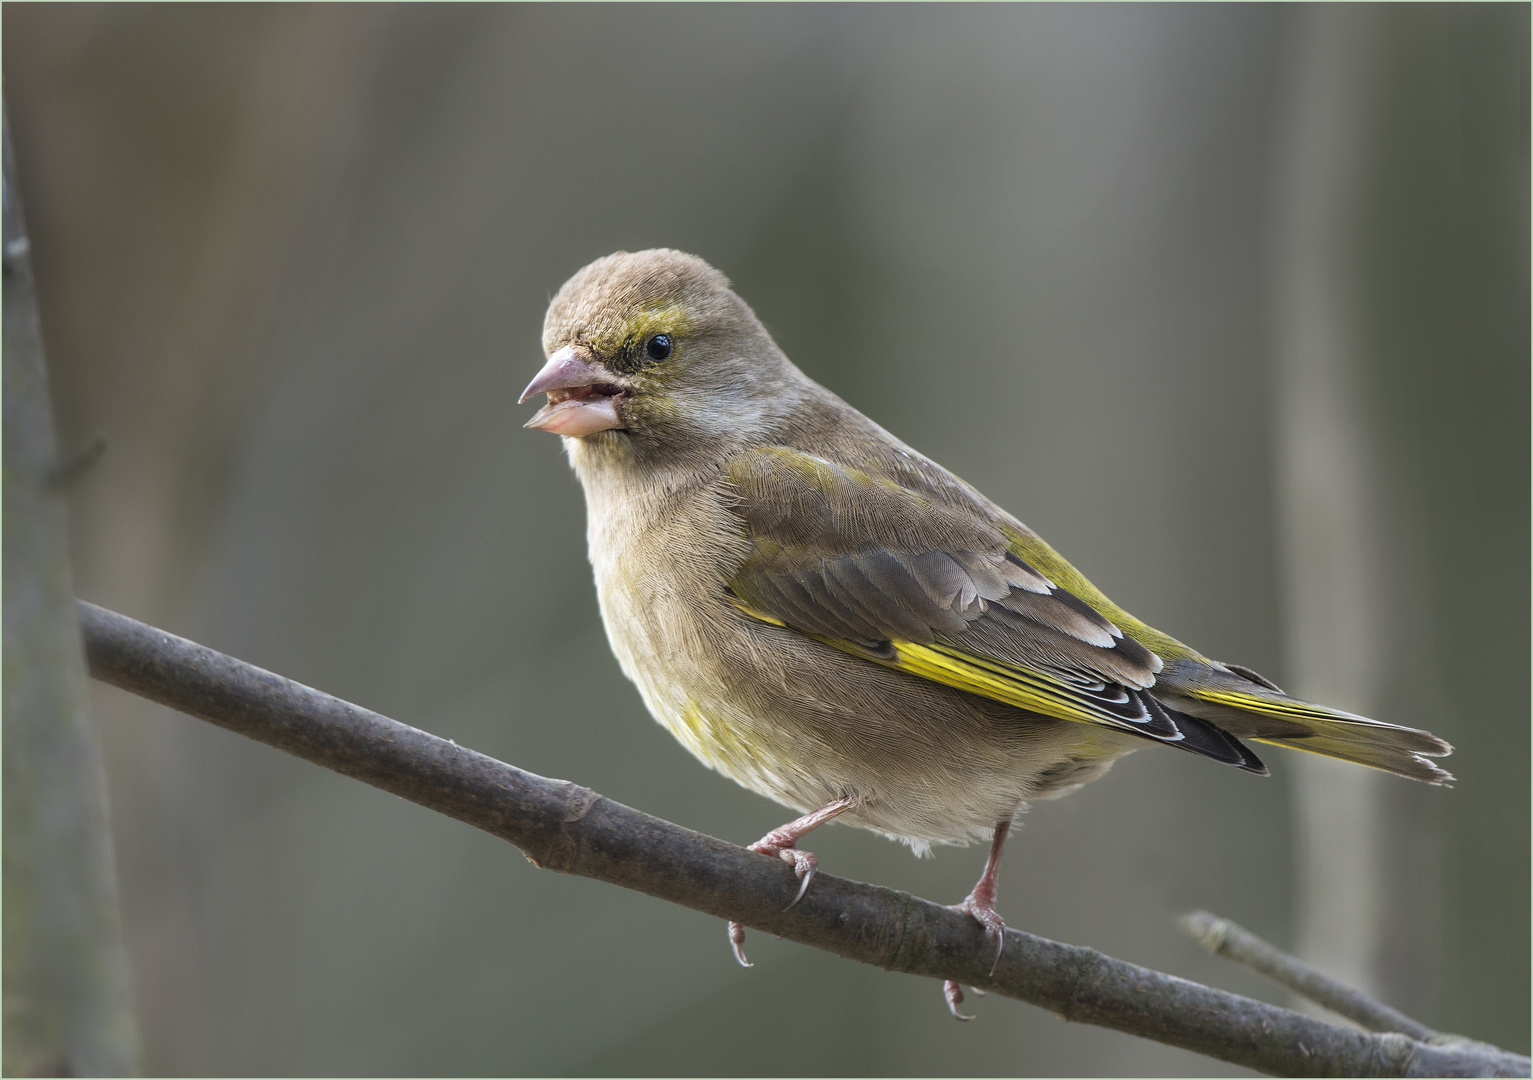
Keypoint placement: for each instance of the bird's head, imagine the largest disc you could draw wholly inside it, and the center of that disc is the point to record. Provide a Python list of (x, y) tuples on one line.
[(651, 355)]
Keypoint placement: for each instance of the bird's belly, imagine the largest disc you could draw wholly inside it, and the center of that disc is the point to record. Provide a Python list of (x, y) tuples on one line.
[(805, 724)]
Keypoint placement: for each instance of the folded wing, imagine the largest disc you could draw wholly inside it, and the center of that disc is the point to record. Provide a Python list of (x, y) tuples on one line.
[(891, 575)]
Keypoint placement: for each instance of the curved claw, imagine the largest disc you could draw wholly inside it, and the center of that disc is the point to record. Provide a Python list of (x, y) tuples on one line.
[(737, 943), (954, 995), (804, 865), (802, 889)]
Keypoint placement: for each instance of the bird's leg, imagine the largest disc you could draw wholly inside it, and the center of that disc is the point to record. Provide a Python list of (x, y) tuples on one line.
[(981, 904), (781, 842)]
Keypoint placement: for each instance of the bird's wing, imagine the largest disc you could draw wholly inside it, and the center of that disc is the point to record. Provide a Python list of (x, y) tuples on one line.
[(929, 580), (914, 583)]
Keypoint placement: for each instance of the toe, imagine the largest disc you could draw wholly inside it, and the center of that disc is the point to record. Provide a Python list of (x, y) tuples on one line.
[(954, 995), (804, 862), (737, 943)]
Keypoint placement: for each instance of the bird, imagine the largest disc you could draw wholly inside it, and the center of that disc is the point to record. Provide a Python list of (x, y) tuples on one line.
[(838, 623)]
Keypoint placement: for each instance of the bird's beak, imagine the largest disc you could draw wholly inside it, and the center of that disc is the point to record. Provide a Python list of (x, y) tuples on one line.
[(582, 395)]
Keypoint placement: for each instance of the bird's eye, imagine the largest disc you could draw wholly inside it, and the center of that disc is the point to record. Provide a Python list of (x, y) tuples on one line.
[(658, 347)]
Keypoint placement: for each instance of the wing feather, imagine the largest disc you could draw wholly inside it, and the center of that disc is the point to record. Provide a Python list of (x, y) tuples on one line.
[(859, 564)]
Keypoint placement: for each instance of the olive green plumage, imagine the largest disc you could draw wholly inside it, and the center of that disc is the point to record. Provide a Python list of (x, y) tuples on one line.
[(818, 611)]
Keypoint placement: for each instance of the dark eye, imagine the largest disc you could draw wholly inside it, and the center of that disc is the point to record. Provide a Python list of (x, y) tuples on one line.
[(658, 347)]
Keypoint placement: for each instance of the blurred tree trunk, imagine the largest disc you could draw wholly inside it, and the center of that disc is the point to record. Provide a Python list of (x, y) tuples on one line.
[(1401, 391), (1443, 329), (1330, 534), (67, 1008)]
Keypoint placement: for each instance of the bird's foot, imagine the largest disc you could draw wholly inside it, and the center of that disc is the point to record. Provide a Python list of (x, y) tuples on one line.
[(782, 842), (803, 862), (981, 908), (804, 865)]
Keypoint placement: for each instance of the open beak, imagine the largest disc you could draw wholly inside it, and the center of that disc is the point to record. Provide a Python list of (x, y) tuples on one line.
[(582, 397)]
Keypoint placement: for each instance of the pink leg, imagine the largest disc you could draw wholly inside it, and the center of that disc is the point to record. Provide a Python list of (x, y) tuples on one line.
[(781, 842), (981, 904)]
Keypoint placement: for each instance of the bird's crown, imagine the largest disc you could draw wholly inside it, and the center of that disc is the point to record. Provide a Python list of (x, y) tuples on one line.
[(617, 303)]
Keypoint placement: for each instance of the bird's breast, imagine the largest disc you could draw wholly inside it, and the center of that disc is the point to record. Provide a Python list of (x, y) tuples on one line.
[(660, 560)]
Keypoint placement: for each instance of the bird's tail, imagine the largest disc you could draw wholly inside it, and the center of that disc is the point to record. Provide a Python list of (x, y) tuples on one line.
[(1272, 717)]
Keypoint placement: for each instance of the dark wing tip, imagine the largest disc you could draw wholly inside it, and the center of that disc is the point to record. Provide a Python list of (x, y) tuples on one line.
[(1201, 737), (1251, 763)]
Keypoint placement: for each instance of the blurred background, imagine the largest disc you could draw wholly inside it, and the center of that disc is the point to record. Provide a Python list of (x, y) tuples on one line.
[(1219, 299)]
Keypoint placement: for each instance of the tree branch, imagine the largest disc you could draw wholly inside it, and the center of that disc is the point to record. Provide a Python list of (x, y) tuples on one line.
[(564, 827), (1234, 942), (1224, 938)]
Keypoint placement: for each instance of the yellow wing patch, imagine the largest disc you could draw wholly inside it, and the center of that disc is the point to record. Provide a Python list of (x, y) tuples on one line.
[(1021, 687), (1283, 710), (1025, 689)]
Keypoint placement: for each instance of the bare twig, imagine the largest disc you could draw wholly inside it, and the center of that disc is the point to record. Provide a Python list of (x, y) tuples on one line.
[(565, 827), (1233, 941), (1227, 939)]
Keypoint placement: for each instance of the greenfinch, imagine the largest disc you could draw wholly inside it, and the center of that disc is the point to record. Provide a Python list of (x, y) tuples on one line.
[(831, 619)]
